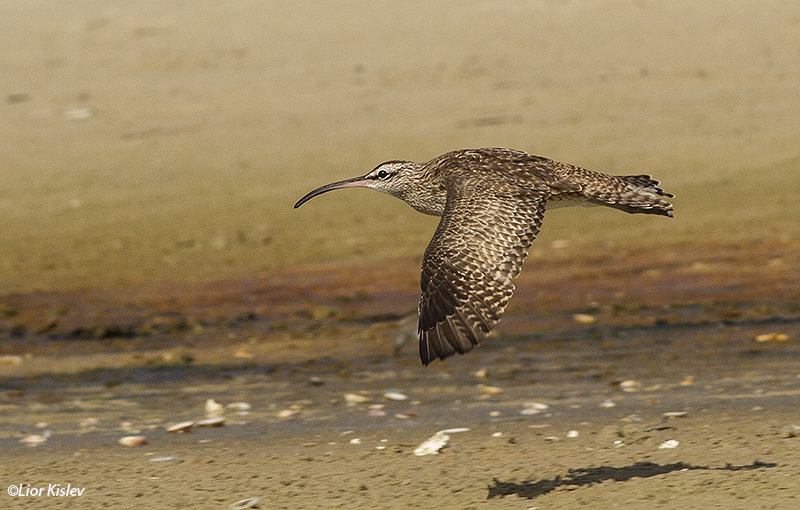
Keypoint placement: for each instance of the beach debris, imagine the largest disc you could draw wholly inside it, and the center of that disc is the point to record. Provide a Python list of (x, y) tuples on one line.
[(608, 403), (214, 408), (405, 416), (355, 440), (353, 399), (239, 407), (133, 441), (494, 414), (217, 421), (78, 113), (376, 410), (668, 445), (10, 359), (489, 390), (584, 318), (89, 424), (181, 428), (436, 442), (152, 424), (630, 385), (529, 408), (791, 431), (619, 443), (129, 427), (35, 439), (497, 434), (165, 458), (772, 337), (245, 504), (393, 395), (288, 413), (315, 381), (572, 433), (675, 414)]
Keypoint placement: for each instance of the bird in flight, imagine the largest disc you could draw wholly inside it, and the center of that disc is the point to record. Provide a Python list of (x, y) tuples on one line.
[(491, 202)]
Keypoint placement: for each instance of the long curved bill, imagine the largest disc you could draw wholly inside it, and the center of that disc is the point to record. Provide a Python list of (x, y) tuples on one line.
[(355, 182)]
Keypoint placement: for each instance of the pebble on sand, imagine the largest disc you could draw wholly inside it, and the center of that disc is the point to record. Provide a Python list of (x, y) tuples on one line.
[(239, 407), (529, 408), (10, 359), (353, 399), (35, 439), (286, 413), (630, 385), (182, 427), (584, 318), (791, 431), (772, 337), (668, 445), (214, 408), (211, 422), (376, 410), (489, 390), (133, 441), (436, 442), (246, 503), (89, 424)]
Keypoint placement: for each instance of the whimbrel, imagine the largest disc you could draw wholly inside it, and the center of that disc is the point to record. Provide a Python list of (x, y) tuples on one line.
[(491, 203)]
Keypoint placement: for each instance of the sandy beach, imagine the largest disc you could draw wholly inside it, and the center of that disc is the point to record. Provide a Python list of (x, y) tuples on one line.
[(151, 260)]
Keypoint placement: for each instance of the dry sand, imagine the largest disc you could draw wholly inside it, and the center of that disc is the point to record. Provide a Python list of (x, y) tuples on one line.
[(150, 258)]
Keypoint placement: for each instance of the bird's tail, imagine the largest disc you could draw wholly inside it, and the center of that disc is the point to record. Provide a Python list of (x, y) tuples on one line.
[(641, 194), (629, 193)]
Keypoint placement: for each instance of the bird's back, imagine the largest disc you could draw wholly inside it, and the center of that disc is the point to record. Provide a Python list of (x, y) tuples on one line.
[(568, 184)]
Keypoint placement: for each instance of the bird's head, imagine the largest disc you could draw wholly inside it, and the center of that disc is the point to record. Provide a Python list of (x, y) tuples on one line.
[(392, 177)]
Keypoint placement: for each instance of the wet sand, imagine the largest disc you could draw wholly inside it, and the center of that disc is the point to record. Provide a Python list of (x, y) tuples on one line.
[(150, 258)]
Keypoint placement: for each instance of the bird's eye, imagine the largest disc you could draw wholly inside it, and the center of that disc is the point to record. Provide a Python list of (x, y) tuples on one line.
[(383, 174)]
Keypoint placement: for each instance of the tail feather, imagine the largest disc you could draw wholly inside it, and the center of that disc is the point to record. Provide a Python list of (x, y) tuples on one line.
[(641, 194), (647, 183), (630, 193)]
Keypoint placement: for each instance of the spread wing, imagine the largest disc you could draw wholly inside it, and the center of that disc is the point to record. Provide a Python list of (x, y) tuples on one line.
[(478, 248)]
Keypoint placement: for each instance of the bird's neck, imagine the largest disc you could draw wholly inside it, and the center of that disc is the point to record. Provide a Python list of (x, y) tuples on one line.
[(425, 191)]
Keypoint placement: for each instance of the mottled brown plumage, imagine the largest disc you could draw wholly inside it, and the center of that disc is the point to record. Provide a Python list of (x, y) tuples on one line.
[(491, 203)]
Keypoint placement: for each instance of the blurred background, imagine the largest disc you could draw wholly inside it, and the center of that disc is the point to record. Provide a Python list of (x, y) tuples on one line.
[(166, 141)]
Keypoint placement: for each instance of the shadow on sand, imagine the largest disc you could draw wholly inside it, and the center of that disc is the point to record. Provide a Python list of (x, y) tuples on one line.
[(588, 476)]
